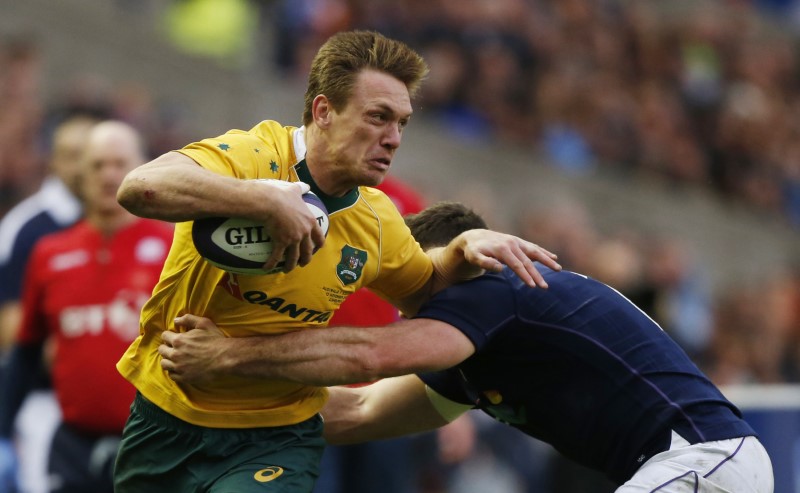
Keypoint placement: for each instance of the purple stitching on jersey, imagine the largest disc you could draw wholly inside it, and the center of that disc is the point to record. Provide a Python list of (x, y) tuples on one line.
[(696, 481), (726, 459)]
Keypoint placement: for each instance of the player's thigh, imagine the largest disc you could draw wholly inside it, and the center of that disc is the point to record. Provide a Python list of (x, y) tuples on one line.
[(160, 453), (294, 470), (739, 465), (286, 459), (152, 454)]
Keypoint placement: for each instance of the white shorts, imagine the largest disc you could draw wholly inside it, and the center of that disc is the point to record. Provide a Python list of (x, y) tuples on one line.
[(738, 465), (34, 427)]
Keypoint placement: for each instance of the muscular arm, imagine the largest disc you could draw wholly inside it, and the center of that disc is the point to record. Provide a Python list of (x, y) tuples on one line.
[(322, 357), (175, 188), (386, 409)]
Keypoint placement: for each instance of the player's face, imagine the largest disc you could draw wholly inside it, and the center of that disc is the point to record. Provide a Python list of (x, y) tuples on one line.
[(107, 160), (68, 146), (363, 137)]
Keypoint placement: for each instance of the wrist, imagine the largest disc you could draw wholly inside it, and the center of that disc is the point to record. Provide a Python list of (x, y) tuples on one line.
[(450, 263), (231, 359)]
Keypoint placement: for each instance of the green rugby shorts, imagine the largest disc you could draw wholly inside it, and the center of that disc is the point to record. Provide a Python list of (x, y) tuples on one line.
[(161, 453)]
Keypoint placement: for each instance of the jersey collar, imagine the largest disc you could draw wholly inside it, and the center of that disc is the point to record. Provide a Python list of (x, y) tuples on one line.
[(333, 204)]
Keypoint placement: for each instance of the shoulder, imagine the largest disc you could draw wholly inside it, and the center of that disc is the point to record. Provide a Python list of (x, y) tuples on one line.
[(270, 131), (378, 201), (383, 209), (25, 223)]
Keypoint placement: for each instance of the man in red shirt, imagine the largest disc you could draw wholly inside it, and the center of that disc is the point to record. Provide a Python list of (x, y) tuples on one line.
[(83, 290)]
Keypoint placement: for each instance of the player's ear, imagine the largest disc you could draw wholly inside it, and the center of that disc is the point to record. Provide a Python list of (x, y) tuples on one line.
[(321, 111)]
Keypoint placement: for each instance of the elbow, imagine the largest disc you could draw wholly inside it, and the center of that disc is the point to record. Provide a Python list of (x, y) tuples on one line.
[(134, 194)]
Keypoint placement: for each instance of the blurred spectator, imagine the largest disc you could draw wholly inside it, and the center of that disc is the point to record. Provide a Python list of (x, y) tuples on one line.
[(20, 119), (565, 227), (54, 207), (115, 259), (681, 294), (756, 332)]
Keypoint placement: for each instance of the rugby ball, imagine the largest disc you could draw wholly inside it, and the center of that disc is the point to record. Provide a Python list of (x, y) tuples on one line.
[(241, 245)]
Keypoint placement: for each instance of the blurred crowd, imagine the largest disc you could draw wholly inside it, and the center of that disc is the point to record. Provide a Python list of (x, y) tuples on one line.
[(703, 97), (27, 118), (699, 93)]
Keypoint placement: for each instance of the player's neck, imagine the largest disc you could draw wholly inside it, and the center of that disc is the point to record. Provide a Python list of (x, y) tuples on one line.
[(108, 222), (322, 169)]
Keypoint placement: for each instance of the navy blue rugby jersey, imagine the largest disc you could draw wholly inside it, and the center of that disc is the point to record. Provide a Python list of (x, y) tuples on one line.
[(579, 366)]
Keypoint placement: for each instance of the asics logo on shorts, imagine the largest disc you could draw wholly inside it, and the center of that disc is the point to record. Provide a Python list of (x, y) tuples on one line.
[(268, 474)]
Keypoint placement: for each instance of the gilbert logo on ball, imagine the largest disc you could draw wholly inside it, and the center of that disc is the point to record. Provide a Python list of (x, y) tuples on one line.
[(241, 245)]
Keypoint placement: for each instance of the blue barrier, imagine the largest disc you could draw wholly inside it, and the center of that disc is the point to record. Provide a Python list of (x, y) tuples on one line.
[(774, 412)]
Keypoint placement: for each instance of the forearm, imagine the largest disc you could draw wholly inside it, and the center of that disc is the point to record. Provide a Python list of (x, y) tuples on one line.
[(390, 408), (321, 357), (175, 188), (338, 356)]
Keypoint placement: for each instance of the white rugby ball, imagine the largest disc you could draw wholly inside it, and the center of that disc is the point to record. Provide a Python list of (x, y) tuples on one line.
[(241, 245)]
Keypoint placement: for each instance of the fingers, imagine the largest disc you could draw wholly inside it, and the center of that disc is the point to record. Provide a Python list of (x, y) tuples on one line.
[(304, 187), (291, 255), (169, 337), (306, 251), (297, 253), (187, 321), (525, 270), (519, 255), (167, 364), (537, 253)]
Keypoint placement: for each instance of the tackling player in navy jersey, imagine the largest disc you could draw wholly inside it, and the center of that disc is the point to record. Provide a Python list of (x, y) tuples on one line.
[(576, 365)]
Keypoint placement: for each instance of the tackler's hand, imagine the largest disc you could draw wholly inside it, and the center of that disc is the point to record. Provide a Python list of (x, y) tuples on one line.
[(195, 352), (491, 250)]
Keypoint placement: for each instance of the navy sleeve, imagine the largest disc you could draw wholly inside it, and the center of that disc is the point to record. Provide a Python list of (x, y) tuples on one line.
[(477, 307), (446, 383), (18, 378), (13, 270), (11, 273)]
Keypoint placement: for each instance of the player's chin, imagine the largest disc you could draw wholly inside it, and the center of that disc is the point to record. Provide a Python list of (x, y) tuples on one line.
[(374, 177)]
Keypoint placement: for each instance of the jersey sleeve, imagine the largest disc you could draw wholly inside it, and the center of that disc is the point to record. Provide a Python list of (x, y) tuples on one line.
[(12, 268), (446, 383), (404, 267), (238, 154), (477, 308), (33, 327), (11, 273)]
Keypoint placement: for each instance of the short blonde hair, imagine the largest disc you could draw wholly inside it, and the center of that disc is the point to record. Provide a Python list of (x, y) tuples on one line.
[(344, 55)]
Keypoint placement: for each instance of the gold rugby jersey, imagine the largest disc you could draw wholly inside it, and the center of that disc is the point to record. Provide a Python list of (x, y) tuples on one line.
[(368, 244)]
